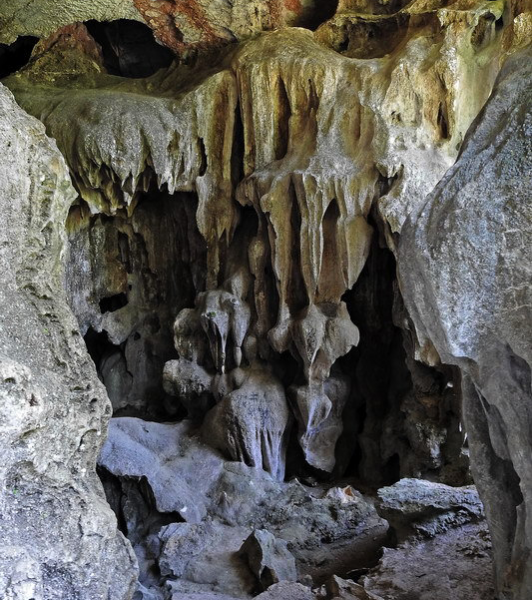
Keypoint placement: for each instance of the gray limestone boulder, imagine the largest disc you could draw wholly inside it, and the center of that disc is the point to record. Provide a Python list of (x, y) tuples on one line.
[(181, 543), (178, 470), (250, 423), (345, 589), (423, 508), (287, 591), (454, 565), (465, 265), (268, 558), (59, 537)]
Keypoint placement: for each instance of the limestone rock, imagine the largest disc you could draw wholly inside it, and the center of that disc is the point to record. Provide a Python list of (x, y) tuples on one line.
[(222, 316), (193, 26), (202, 556), (59, 537), (319, 410), (465, 274), (268, 558), (454, 564), (343, 589), (181, 543), (294, 591), (303, 140), (141, 449), (191, 383), (202, 596), (414, 506), (45, 16), (251, 422)]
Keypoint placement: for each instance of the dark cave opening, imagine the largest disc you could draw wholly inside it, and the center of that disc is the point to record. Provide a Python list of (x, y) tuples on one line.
[(16, 55), (403, 419), (129, 48), (127, 278), (98, 346), (113, 303), (322, 11)]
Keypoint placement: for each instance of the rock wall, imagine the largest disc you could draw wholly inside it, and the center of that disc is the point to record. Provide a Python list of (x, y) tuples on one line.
[(53, 515), (465, 265)]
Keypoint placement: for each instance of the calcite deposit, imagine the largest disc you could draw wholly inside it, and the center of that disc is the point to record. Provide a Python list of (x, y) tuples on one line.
[(293, 237)]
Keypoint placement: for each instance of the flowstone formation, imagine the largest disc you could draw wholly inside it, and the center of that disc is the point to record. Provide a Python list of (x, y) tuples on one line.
[(243, 173), (291, 150)]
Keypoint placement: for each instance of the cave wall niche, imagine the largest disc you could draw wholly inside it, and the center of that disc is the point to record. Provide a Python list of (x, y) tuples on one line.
[(14, 56), (129, 48), (127, 276)]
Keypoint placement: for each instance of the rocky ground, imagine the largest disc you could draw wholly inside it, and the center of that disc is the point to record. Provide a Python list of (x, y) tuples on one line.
[(206, 528)]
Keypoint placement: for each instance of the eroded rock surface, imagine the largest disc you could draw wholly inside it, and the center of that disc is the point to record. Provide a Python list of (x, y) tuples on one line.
[(268, 558), (285, 144), (189, 512), (466, 273), (59, 539), (416, 507), (454, 564), (245, 189)]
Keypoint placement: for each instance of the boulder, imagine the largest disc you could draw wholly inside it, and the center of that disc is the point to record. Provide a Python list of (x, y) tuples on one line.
[(423, 508), (268, 558)]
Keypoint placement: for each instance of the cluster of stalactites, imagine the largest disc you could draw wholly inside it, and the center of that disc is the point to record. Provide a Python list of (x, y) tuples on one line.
[(308, 130)]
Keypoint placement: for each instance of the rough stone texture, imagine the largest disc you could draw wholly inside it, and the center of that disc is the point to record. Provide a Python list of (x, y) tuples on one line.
[(455, 564), (414, 506), (246, 193), (127, 277), (44, 17), (346, 590), (158, 475), (178, 475), (306, 139), (192, 26), (268, 558), (465, 268), (59, 538), (250, 422), (294, 591)]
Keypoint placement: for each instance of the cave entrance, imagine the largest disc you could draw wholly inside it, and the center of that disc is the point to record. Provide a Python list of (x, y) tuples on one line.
[(129, 48)]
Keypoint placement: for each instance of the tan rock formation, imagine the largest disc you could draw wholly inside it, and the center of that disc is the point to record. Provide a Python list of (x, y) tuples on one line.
[(310, 130)]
